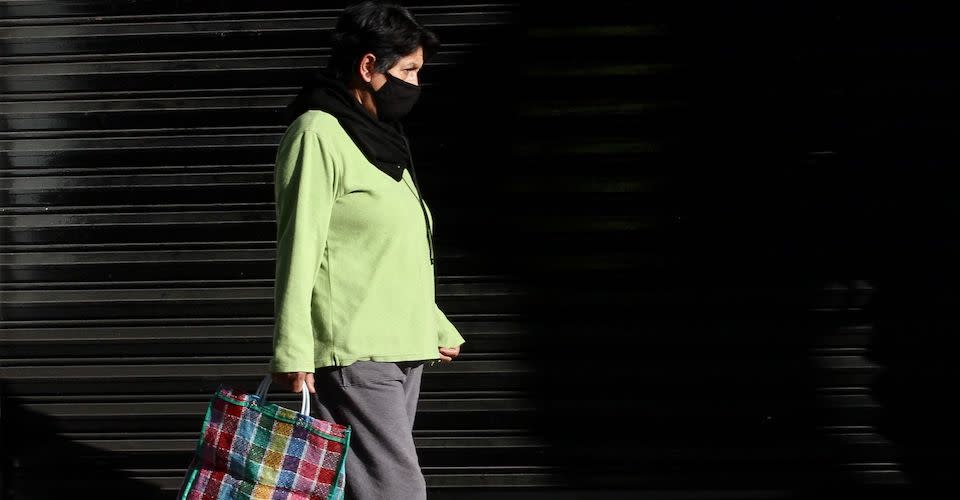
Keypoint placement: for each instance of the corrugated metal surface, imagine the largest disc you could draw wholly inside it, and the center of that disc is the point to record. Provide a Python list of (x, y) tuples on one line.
[(653, 227), (138, 240), (718, 324)]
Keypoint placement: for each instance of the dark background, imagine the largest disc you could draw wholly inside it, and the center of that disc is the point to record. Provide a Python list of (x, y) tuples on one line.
[(697, 251)]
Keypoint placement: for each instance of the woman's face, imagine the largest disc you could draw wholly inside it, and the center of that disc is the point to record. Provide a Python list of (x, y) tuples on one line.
[(406, 69)]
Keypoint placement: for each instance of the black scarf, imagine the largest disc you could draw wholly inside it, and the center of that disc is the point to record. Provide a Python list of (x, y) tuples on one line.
[(384, 144)]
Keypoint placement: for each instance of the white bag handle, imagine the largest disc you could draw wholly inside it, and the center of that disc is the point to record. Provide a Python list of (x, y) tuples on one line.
[(265, 385)]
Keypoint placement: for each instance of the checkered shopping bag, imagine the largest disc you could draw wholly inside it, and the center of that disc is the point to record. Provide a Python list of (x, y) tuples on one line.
[(251, 449)]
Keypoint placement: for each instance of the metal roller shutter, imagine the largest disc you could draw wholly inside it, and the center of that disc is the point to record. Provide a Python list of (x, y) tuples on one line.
[(653, 227)]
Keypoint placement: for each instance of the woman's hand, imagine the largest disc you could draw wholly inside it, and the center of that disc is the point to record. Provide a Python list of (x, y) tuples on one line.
[(293, 381), (448, 353)]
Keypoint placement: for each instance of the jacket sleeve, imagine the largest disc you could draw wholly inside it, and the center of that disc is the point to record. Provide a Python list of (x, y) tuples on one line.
[(448, 335), (305, 185)]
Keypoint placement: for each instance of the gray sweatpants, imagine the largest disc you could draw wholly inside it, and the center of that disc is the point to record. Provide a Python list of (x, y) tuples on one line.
[(378, 400)]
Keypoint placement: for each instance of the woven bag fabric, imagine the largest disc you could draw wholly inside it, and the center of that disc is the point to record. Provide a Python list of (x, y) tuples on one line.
[(249, 449)]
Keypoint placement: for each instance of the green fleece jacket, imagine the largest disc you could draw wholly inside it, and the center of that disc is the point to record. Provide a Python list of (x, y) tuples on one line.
[(353, 275)]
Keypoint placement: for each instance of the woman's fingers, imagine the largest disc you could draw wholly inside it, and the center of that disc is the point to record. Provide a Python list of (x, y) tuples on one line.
[(450, 351), (293, 381)]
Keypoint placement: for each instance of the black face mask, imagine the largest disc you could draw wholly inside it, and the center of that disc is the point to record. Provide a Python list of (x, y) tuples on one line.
[(395, 98)]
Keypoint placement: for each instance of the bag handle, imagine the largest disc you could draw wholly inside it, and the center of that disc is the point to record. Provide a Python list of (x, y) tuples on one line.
[(265, 385)]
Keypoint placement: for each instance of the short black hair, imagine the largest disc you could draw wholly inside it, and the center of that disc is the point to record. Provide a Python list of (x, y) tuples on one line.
[(387, 30)]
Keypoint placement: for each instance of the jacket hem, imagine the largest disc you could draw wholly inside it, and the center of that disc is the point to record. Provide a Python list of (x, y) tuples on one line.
[(333, 360)]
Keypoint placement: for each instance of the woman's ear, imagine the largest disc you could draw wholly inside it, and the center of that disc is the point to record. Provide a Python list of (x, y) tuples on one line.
[(367, 63)]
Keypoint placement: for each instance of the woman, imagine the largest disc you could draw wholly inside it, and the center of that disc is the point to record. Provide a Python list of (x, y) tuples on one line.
[(356, 316)]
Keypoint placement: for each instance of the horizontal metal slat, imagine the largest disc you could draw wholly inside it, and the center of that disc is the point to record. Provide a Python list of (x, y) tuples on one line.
[(488, 450), (163, 290), (461, 374), (449, 403), (220, 24), (508, 326), (17, 74)]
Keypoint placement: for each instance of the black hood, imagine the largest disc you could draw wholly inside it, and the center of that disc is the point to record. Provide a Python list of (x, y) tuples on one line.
[(384, 144)]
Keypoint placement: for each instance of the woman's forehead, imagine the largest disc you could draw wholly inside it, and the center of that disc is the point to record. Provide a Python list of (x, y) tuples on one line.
[(414, 57)]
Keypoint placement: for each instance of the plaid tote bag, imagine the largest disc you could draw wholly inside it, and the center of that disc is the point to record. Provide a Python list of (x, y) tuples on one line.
[(251, 449)]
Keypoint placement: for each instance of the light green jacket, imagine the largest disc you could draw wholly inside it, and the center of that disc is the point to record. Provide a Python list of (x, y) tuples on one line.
[(353, 277)]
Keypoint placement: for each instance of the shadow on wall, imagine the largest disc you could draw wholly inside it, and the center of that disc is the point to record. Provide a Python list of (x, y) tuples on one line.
[(41, 463), (912, 343), (461, 132), (917, 326), (688, 366)]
